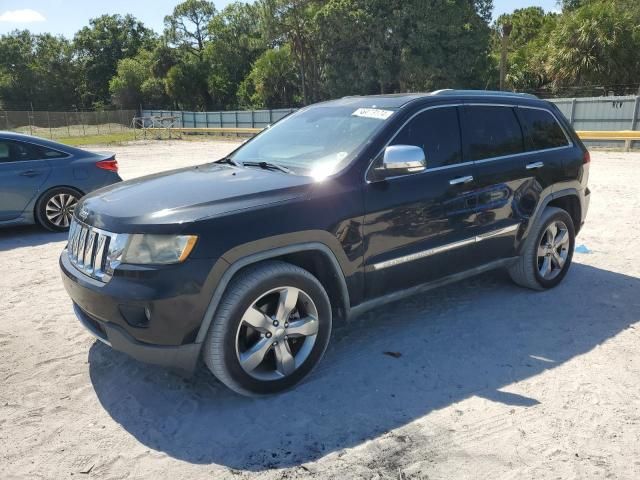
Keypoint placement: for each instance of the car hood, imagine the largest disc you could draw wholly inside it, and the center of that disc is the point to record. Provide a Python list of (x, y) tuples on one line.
[(186, 195)]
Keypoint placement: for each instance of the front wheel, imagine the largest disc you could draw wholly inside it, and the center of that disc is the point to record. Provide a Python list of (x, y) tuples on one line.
[(271, 329), (547, 252)]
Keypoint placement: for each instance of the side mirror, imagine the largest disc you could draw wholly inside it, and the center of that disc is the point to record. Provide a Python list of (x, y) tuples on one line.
[(400, 159)]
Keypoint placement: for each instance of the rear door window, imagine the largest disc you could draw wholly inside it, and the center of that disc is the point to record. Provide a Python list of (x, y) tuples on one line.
[(542, 130), (11, 151), (5, 151), (14, 151), (492, 131), (437, 132)]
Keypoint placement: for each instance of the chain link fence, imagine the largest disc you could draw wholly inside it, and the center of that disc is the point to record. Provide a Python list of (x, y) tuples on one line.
[(226, 119), (612, 113), (57, 125)]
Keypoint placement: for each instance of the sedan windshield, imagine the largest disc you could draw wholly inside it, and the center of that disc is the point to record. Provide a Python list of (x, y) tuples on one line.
[(317, 141)]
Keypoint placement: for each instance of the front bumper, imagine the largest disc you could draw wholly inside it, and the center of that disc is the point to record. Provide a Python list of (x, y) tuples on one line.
[(152, 314), (183, 358)]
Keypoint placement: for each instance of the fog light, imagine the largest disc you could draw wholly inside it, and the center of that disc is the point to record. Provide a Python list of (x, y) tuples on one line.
[(136, 316)]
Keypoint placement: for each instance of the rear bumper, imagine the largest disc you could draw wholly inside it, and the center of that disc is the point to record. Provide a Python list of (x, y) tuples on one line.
[(585, 203), (182, 358)]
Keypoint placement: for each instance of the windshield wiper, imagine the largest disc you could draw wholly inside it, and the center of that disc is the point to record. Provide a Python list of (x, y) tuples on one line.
[(230, 161), (268, 166)]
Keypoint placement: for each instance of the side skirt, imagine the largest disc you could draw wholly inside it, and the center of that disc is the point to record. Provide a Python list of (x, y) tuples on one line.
[(409, 292)]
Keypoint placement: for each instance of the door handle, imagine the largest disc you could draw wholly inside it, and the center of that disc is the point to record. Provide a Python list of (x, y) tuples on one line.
[(30, 173), (535, 165), (459, 180)]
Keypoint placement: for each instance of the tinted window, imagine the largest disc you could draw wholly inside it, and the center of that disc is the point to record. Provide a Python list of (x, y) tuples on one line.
[(542, 129), (5, 151), (12, 151), (437, 132), (492, 132), (46, 152)]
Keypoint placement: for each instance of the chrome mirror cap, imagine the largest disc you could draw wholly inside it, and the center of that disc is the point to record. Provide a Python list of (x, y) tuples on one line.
[(408, 158)]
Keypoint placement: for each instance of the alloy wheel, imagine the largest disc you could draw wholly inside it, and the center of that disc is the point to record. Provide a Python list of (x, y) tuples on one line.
[(553, 250), (277, 333), (59, 209)]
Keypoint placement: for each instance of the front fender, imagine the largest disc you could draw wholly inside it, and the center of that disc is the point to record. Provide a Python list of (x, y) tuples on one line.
[(268, 248)]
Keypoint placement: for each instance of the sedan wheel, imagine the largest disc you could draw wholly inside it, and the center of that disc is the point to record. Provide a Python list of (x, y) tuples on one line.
[(55, 208), (59, 209)]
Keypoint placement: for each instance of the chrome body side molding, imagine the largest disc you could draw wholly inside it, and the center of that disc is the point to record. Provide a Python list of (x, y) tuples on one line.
[(444, 248)]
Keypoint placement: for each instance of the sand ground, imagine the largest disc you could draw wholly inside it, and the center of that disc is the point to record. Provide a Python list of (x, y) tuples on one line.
[(493, 381)]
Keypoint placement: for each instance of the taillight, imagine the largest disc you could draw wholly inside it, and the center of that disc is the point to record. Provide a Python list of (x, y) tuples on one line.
[(110, 164), (587, 157)]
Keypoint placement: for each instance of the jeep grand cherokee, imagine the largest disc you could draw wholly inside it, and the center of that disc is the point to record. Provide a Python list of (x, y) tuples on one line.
[(338, 208)]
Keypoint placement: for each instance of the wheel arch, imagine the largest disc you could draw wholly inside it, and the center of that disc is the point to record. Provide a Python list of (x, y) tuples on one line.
[(570, 203), (566, 199), (41, 194), (315, 257)]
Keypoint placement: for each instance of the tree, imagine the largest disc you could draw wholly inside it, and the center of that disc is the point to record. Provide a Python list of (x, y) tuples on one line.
[(531, 28), (447, 44), (37, 70), (272, 82), (188, 26), (187, 29), (236, 43), (357, 54), (293, 22), (186, 84), (381, 46), (596, 44), (569, 5), (100, 47)]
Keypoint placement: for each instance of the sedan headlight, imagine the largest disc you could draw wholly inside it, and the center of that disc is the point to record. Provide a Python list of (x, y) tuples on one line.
[(157, 249)]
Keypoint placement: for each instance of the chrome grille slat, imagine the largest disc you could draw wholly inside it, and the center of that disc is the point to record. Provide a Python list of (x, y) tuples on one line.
[(88, 249), (74, 240), (76, 247), (81, 245), (98, 258)]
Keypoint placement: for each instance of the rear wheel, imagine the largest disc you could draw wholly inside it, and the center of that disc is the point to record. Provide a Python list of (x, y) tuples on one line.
[(547, 253), (54, 209), (271, 329)]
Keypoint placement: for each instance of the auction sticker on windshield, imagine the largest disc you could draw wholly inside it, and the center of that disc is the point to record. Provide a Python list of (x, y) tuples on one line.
[(373, 113)]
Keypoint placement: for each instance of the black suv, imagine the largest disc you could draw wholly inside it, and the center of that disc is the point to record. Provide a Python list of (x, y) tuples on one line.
[(338, 208)]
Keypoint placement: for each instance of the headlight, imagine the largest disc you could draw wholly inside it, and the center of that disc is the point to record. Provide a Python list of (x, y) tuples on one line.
[(157, 249)]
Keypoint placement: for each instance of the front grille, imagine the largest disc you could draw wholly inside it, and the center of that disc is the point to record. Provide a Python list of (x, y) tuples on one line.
[(88, 249)]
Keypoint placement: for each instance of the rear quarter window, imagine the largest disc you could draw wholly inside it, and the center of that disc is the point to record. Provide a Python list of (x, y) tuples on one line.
[(542, 128), (46, 152)]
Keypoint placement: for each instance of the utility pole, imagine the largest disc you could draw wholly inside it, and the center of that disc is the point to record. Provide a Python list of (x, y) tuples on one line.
[(505, 31)]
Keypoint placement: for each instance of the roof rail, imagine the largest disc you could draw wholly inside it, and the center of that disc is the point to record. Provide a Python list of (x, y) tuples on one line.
[(488, 93)]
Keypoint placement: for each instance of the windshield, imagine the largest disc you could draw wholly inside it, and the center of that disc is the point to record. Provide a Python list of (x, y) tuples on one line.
[(317, 141)]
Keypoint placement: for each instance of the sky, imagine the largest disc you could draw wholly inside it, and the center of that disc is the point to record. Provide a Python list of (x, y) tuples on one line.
[(65, 17)]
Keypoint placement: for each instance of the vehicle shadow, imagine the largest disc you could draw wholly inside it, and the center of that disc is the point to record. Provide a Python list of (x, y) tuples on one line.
[(463, 340), (27, 236)]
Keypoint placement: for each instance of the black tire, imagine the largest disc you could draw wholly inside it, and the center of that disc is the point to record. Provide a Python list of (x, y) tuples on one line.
[(526, 271), (220, 351), (45, 202)]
